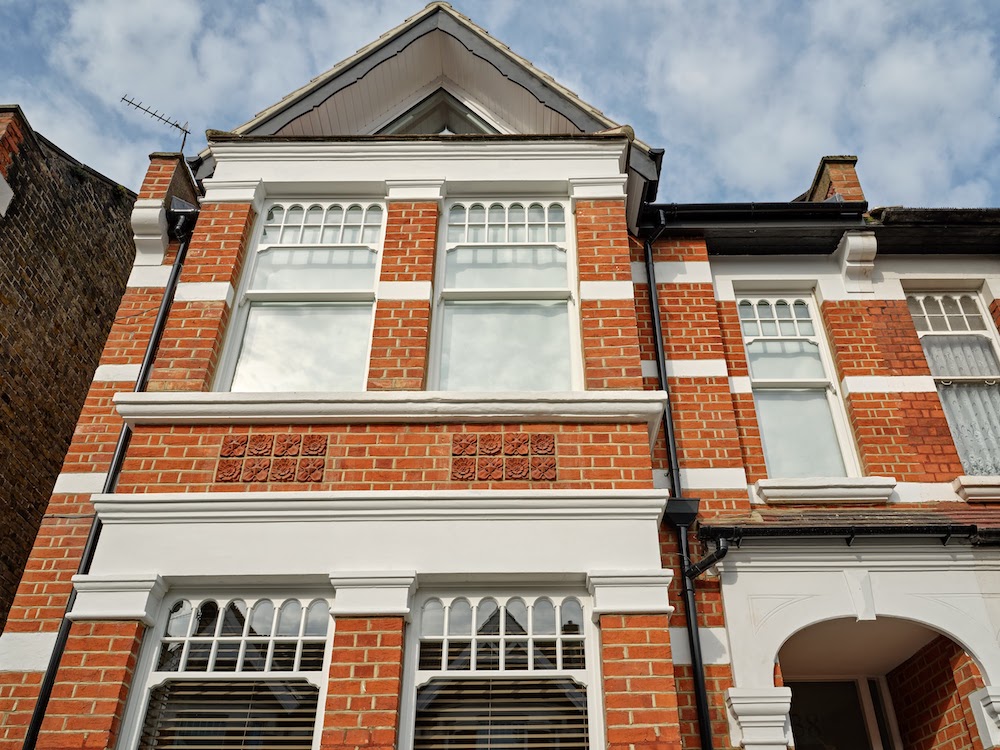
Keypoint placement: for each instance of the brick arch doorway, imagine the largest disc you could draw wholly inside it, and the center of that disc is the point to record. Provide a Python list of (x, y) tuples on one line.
[(881, 684)]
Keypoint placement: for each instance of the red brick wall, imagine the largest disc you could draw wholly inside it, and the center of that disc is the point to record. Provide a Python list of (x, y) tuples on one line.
[(18, 691), (11, 136), (88, 700), (874, 337), (930, 696), (410, 241), (640, 698), (372, 457), (362, 702)]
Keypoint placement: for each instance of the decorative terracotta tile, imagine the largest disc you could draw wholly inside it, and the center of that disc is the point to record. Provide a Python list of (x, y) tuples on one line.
[(233, 446), (516, 444), (311, 469), (463, 444), (287, 445), (543, 468), (283, 470), (490, 468), (314, 445), (256, 469), (229, 470), (490, 443), (516, 467), (463, 469), (543, 444), (260, 445)]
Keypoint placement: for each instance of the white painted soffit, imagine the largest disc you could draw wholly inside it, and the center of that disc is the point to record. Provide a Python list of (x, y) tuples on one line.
[(397, 407)]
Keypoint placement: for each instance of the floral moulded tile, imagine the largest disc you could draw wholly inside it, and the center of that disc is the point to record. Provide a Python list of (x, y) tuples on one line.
[(233, 446), (490, 468), (463, 444), (283, 470), (256, 469), (229, 470), (314, 445), (287, 445), (516, 444), (490, 443), (463, 469), (310, 469), (260, 445)]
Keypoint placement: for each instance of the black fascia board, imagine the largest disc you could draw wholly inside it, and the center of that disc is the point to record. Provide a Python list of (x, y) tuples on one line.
[(941, 231)]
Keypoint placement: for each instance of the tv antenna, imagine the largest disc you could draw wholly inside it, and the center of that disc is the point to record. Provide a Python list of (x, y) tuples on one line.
[(159, 116)]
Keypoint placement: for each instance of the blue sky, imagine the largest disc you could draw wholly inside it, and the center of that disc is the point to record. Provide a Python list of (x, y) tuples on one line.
[(744, 96)]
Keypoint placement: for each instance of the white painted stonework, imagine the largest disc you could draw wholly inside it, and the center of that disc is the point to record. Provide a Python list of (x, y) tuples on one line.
[(637, 592), (116, 373), (714, 646), (78, 482), (856, 252), (824, 491), (6, 195), (713, 479), (675, 272), (204, 291), (404, 290), (25, 652), (773, 589), (978, 489), (598, 290), (888, 384), (148, 277), (149, 223)]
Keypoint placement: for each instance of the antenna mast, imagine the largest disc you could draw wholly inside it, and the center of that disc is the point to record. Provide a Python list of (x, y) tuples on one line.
[(161, 117)]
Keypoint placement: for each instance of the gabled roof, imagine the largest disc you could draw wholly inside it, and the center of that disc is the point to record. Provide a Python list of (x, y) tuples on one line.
[(437, 49)]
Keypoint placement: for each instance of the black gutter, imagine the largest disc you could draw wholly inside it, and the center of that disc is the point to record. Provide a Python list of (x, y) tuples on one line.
[(186, 215), (680, 511), (655, 217), (736, 533)]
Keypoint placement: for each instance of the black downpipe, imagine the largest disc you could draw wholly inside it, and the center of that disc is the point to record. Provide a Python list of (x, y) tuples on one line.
[(681, 511), (186, 216)]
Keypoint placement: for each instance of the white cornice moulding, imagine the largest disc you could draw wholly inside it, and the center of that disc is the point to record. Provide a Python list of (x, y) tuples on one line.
[(148, 277), (79, 483), (402, 407), (985, 704), (597, 188), (369, 594), (837, 490), (416, 505), (760, 716), (888, 384), (404, 290), (132, 597), (149, 225), (235, 191), (6, 195), (116, 373), (25, 652), (978, 489), (597, 290), (619, 592), (205, 291), (857, 250), (415, 190)]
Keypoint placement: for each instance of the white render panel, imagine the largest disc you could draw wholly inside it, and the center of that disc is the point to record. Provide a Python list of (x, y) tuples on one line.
[(675, 272), (116, 373), (6, 195), (714, 646), (924, 492), (342, 534), (74, 482), (149, 277), (595, 290), (204, 291), (688, 368), (772, 590), (25, 652), (404, 290), (888, 384), (714, 479)]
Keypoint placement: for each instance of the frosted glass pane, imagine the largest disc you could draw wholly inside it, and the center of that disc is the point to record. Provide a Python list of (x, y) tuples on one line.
[(960, 355), (314, 268), (505, 268), (973, 412), (779, 360), (796, 428), (505, 347), (319, 347)]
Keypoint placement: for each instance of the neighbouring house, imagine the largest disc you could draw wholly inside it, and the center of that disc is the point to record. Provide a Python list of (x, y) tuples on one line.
[(455, 437), (65, 254)]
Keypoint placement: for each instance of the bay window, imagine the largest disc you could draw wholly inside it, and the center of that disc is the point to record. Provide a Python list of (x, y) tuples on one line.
[(504, 314), (304, 319), (961, 349), (803, 426)]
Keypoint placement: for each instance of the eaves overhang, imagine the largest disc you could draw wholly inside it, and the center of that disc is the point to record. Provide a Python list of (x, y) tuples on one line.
[(794, 228), (941, 231)]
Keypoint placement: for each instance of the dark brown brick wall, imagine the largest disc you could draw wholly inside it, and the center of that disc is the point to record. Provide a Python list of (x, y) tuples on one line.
[(65, 254)]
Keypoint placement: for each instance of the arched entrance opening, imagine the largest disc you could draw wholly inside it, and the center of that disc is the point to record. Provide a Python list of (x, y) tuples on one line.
[(881, 684)]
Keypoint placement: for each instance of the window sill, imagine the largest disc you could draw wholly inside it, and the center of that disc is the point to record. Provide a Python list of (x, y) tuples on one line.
[(823, 491), (978, 489), (396, 407)]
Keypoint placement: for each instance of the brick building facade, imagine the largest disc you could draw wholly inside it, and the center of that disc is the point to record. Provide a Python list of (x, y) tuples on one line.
[(453, 437), (65, 253)]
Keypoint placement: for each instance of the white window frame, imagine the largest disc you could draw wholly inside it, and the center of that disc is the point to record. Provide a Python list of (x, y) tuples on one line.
[(828, 384), (146, 678), (589, 677), (867, 705), (245, 297), (569, 294), (989, 332)]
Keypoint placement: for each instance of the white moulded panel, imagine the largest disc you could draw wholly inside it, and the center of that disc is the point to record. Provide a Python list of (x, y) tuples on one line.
[(149, 223), (122, 596), (978, 489), (373, 593), (630, 592)]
